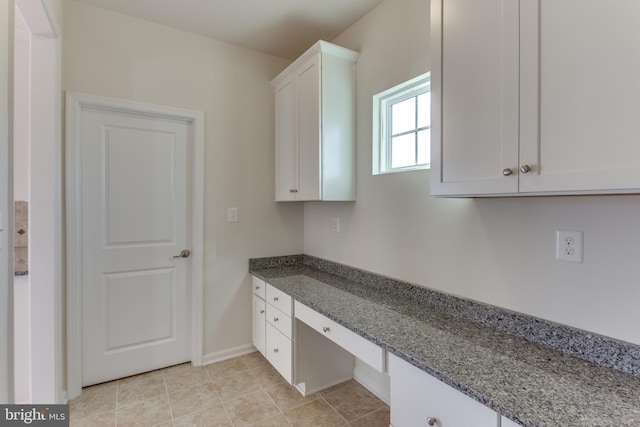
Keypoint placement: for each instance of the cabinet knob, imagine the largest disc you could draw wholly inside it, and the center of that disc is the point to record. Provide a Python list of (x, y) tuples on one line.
[(261, 311), (257, 287), (525, 168), (431, 421), (293, 190), (275, 319), (507, 172), (275, 350), (326, 329), (275, 298)]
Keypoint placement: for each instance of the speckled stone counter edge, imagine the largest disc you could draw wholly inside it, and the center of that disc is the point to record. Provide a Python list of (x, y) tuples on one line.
[(605, 351)]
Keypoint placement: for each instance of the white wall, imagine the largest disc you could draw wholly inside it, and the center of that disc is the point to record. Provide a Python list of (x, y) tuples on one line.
[(108, 54), (498, 251)]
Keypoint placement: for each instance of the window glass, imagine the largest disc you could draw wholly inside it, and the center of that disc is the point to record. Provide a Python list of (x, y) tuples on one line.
[(402, 127), (403, 116)]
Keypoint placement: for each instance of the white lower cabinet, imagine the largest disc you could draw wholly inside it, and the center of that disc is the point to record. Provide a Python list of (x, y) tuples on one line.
[(272, 326), (418, 399)]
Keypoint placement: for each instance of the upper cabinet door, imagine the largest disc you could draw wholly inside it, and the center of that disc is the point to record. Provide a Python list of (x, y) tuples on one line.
[(580, 90), (286, 147), (474, 82), (309, 131)]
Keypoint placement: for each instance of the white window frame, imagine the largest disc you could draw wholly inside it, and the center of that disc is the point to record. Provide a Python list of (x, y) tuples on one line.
[(382, 103)]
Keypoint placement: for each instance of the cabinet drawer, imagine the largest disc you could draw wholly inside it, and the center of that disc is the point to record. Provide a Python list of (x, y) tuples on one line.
[(278, 351), (363, 349), (281, 321), (417, 396), (259, 286), (279, 300)]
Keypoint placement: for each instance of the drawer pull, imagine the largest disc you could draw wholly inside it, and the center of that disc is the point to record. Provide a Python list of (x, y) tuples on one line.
[(326, 329), (275, 350), (261, 311), (275, 319), (431, 421), (275, 299), (258, 288)]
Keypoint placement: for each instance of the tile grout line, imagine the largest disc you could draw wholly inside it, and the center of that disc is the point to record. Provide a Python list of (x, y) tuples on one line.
[(224, 408)]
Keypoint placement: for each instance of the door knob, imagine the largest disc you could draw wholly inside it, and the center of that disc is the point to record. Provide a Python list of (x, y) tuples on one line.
[(183, 254)]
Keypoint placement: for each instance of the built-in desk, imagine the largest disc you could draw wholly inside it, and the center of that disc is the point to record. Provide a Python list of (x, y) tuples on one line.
[(529, 383)]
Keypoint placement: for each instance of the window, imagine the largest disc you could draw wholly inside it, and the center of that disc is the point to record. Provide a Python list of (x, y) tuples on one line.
[(402, 127)]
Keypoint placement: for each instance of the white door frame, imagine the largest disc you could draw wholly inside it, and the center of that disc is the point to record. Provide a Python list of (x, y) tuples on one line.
[(6, 201), (75, 103)]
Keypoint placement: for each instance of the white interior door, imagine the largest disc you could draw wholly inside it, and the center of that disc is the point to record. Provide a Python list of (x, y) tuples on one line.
[(135, 220)]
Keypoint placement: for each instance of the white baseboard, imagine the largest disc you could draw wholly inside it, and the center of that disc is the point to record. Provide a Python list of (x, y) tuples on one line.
[(229, 353), (374, 381)]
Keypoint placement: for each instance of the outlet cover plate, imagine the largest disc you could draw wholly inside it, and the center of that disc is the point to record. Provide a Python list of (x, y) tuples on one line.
[(569, 245)]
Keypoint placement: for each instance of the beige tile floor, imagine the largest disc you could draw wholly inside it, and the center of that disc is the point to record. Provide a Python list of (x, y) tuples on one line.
[(244, 391)]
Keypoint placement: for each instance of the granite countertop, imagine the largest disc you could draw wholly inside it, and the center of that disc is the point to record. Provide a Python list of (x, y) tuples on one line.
[(527, 382)]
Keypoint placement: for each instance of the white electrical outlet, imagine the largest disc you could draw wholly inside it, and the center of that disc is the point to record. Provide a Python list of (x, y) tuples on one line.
[(232, 215), (335, 224), (569, 245)]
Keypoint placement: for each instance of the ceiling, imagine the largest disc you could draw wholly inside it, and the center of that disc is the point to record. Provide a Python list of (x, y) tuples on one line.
[(284, 28)]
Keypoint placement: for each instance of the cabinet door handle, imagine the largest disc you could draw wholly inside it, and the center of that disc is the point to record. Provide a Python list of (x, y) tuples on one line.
[(261, 311), (275, 350), (275, 299), (431, 421), (525, 168), (257, 287), (326, 329), (507, 172), (275, 319)]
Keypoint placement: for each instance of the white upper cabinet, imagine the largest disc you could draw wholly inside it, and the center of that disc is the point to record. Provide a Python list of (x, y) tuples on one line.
[(315, 126), (474, 96), (535, 97)]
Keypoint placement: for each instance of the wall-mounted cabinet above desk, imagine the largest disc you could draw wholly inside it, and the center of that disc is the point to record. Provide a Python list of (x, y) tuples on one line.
[(532, 98), (315, 126)]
